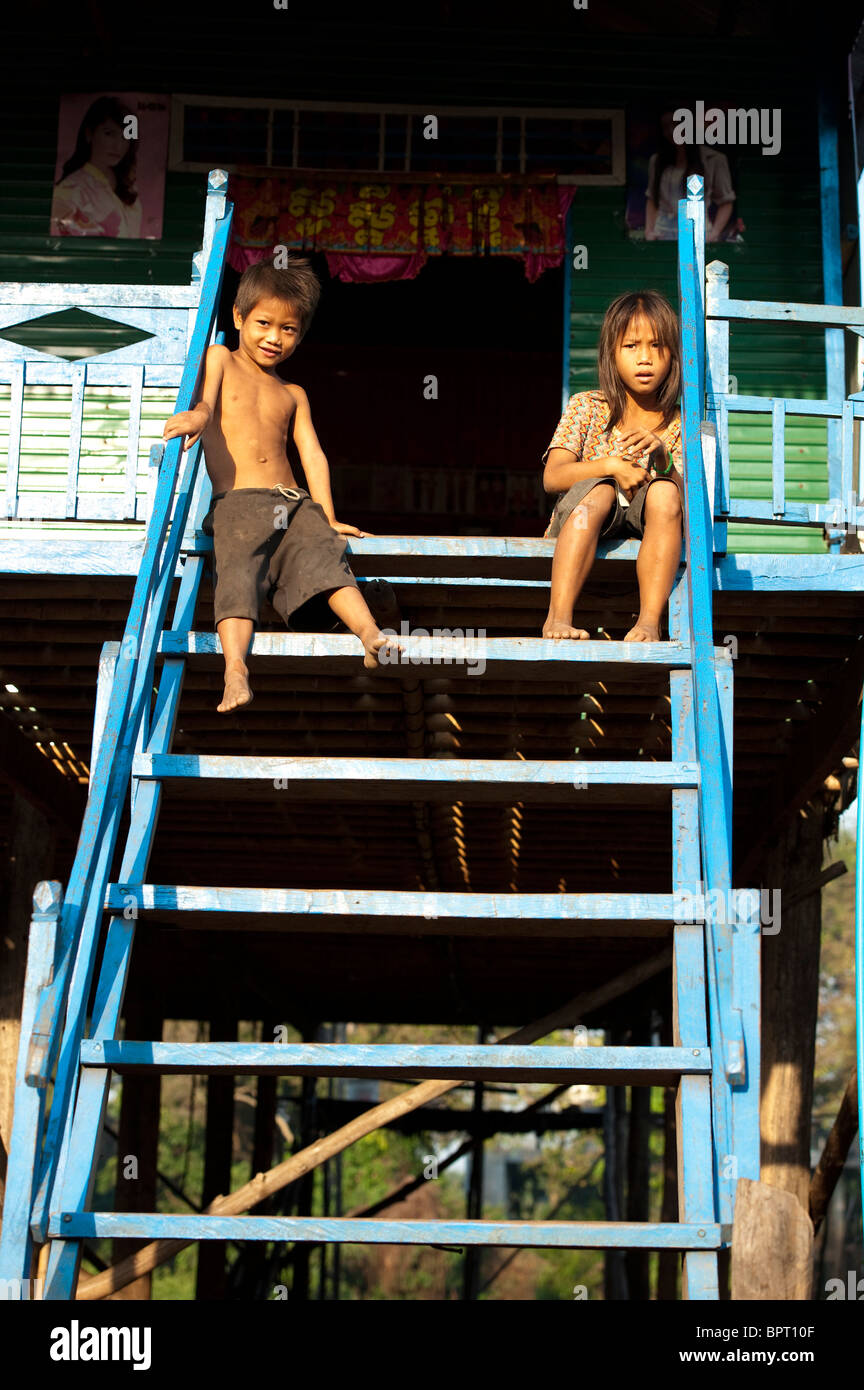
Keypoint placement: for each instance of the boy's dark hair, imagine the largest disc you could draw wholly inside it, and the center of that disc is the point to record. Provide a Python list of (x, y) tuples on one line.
[(664, 323), (296, 283)]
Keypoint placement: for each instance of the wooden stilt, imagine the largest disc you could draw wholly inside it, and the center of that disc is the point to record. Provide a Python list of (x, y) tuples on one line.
[(138, 1140), (669, 1261), (638, 1182), (790, 997), (833, 1158), (219, 1134), (474, 1203), (614, 1268), (301, 1254), (772, 1244)]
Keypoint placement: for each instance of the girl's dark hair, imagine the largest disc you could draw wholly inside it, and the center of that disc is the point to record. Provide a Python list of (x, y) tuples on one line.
[(664, 324), (295, 282), (105, 109), (667, 151)]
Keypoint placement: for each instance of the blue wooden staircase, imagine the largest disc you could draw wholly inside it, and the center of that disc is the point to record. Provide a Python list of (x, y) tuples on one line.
[(714, 929)]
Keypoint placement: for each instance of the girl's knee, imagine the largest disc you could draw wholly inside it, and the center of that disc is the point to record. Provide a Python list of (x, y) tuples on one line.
[(663, 501), (595, 504)]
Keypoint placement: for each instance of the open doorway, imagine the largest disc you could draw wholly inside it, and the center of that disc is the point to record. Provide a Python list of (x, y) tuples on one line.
[(434, 398)]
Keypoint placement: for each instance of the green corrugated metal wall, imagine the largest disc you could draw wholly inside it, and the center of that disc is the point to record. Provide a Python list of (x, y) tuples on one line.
[(544, 63)]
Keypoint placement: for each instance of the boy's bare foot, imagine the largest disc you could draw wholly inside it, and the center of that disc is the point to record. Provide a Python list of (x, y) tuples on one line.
[(556, 628), (237, 691), (643, 632), (374, 642)]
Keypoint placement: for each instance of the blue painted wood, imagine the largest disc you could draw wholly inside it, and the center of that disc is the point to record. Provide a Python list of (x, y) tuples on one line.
[(400, 776), (794, 405), (574, 1235), (695, 1138), (15, 377), (107, 663), (819, 514), (850, 514), (713, 820), (338, 902), (131, 686), (778, 457), (403, 1060), (786, 573), (79, 1175), (832, 279), (79, 382), (16, 1247), (835, 315), (78, 1171), (70, 986), (700, 1282), (746, 952), (469, 650), (136, 391)]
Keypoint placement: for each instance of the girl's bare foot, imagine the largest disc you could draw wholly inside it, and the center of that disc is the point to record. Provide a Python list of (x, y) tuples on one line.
[(643, 632), (237, 691), (556, 628)]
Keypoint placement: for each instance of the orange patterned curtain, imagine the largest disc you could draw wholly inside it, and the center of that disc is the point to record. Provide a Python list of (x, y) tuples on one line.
[(400, 220)]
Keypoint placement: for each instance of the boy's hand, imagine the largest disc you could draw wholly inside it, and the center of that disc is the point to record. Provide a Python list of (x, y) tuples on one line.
[(192, 423), (345, 530)]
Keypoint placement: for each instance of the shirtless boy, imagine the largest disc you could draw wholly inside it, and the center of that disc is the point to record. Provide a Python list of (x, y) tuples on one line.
[(271, 538)]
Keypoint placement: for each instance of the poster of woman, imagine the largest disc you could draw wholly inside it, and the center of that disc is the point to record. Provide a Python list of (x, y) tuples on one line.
[(110, 175), (658, 166)]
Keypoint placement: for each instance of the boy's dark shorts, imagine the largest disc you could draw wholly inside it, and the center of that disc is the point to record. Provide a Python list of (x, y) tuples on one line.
[(621, 521), (272, 543)]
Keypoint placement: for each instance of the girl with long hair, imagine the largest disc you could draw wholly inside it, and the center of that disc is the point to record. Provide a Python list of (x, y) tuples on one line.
[(614, 462)]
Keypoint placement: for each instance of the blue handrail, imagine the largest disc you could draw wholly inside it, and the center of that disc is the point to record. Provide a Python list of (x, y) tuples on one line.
[(715, 776), (133, 680)]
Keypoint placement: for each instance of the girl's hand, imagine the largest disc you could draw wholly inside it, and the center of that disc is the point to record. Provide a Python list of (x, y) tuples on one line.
[(641, 441), (629, 476), (345, 530), (187, 422)]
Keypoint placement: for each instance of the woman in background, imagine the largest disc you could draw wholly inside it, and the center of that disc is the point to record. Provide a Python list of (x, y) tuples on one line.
[(96, 195)]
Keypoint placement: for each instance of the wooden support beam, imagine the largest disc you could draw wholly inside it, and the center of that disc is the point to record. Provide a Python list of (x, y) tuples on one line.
[(474, 1202), (218, 1142), (265, 1184), (668, 1262), (833, 1159), (790, 997), (772, 1245), (304, 1189), (639, 1179)]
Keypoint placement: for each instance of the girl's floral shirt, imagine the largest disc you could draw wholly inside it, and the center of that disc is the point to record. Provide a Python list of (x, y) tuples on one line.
[(584, 430)]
